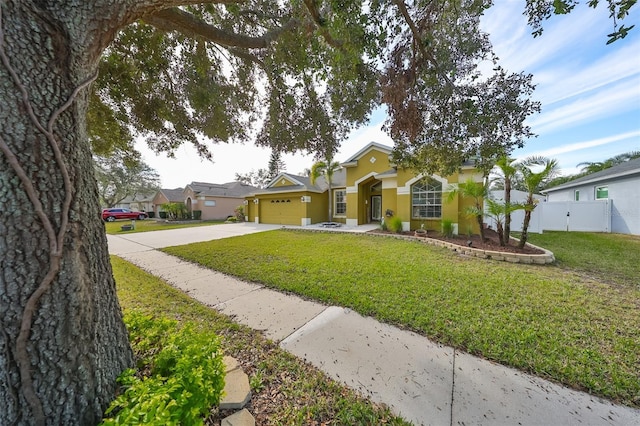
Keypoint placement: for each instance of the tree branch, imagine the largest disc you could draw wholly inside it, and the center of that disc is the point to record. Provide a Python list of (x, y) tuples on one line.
[(178, 20), (418, 40)]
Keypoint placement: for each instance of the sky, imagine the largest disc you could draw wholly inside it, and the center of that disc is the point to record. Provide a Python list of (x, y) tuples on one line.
[(590, 95)]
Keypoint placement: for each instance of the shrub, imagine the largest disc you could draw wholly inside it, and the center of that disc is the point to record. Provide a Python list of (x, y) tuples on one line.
[(151, 215), (239, 213), (447, 228), (395, 224), (184, 374), (197, 214), (163, 215), (383, 224)]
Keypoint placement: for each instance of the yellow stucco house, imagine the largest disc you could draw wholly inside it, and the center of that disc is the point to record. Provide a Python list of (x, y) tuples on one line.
[(367, 189)]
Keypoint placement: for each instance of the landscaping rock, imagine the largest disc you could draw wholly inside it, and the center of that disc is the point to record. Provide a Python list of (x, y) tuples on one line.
[(241, 418)]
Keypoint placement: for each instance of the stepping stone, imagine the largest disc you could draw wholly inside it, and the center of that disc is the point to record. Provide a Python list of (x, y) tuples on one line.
[(241, 418), (237, 391)]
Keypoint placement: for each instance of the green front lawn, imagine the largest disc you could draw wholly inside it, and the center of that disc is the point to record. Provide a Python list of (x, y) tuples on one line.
[(555, 322), (612, 258), (285, 390), (147, 225)]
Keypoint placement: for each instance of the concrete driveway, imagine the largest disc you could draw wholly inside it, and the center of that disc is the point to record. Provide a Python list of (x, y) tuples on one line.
[(143, 241)]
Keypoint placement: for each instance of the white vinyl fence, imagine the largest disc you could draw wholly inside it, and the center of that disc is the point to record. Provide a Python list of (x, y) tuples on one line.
[(585, 216)]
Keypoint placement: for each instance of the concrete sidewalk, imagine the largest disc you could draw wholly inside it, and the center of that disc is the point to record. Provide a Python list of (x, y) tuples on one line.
[(424, 382)]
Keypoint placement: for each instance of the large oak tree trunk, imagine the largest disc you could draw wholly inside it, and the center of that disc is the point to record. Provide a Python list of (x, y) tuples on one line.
[(76, 342)]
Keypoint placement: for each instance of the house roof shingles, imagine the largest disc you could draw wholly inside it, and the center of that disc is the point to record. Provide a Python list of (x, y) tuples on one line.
[(173, 195), (229, 189), (623, 169)]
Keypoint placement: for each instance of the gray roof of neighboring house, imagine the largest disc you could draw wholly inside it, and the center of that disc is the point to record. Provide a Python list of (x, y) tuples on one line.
[(229, 189), (173, 195), (623, 169), (138, 198)]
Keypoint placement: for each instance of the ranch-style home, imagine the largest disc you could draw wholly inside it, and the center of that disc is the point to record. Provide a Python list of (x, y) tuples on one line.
[(367, 189), (214, 201)]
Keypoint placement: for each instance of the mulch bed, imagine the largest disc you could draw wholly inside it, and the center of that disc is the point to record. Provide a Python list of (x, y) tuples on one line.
[(491, 242)]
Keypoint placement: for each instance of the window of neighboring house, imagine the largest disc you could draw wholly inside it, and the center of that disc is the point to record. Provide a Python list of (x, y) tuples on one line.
[(340, 203), (602, 192), (576, 195), (426, 200), (210, 203)]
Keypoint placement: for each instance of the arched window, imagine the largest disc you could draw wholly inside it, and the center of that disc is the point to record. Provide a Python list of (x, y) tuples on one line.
[(426, 199)]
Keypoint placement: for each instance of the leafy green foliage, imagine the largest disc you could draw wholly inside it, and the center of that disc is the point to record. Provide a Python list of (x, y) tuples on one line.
[(326, 169), (123, 174), (443, 109), (181, 374), (475, 191), (447, 228), (394, 224), (538, 11), (176, 211), (551, 321)]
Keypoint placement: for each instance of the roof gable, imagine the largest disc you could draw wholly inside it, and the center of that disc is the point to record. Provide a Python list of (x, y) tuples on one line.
[(371, 146)]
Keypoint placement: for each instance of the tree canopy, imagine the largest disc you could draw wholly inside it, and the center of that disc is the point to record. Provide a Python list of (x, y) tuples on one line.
[(120, 176), (299, 76)]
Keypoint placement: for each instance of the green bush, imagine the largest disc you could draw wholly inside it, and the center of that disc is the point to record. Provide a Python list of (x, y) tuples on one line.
[(183, 374), (197, 214), (176, 211), (447, 228), (394, 224), (163, 215), (239, 213), (151, 215)]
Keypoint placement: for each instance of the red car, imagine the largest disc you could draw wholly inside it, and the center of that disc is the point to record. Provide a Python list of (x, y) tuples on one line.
[(110, 215)]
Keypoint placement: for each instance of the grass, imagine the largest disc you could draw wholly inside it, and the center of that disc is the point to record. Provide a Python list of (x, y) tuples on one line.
[(147, 225), (286, 390), (554, 322), (612, 258)]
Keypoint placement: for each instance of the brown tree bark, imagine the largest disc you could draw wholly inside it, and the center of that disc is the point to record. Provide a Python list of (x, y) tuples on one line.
[(63, 342)]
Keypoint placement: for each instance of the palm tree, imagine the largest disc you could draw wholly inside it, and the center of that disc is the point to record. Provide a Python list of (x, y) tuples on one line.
[(592, 167), (507, 173), (325, 169), (498, 212), (534, 181), (477, 191)]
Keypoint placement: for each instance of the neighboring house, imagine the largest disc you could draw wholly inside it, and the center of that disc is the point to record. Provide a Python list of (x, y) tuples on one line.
[(165, 196), (215, 201), (368, 189), (617, 188), (139, 202)]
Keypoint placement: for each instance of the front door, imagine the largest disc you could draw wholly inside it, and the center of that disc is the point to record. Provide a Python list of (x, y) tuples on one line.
[(376, 208)]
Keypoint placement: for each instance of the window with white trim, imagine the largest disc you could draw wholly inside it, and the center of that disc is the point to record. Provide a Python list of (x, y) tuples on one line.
[(426, 199), (602, 192), (210, 203), (340, 206)]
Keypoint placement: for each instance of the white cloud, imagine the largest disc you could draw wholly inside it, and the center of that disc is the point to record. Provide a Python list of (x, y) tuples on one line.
[(578, 146), (599, 104)]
